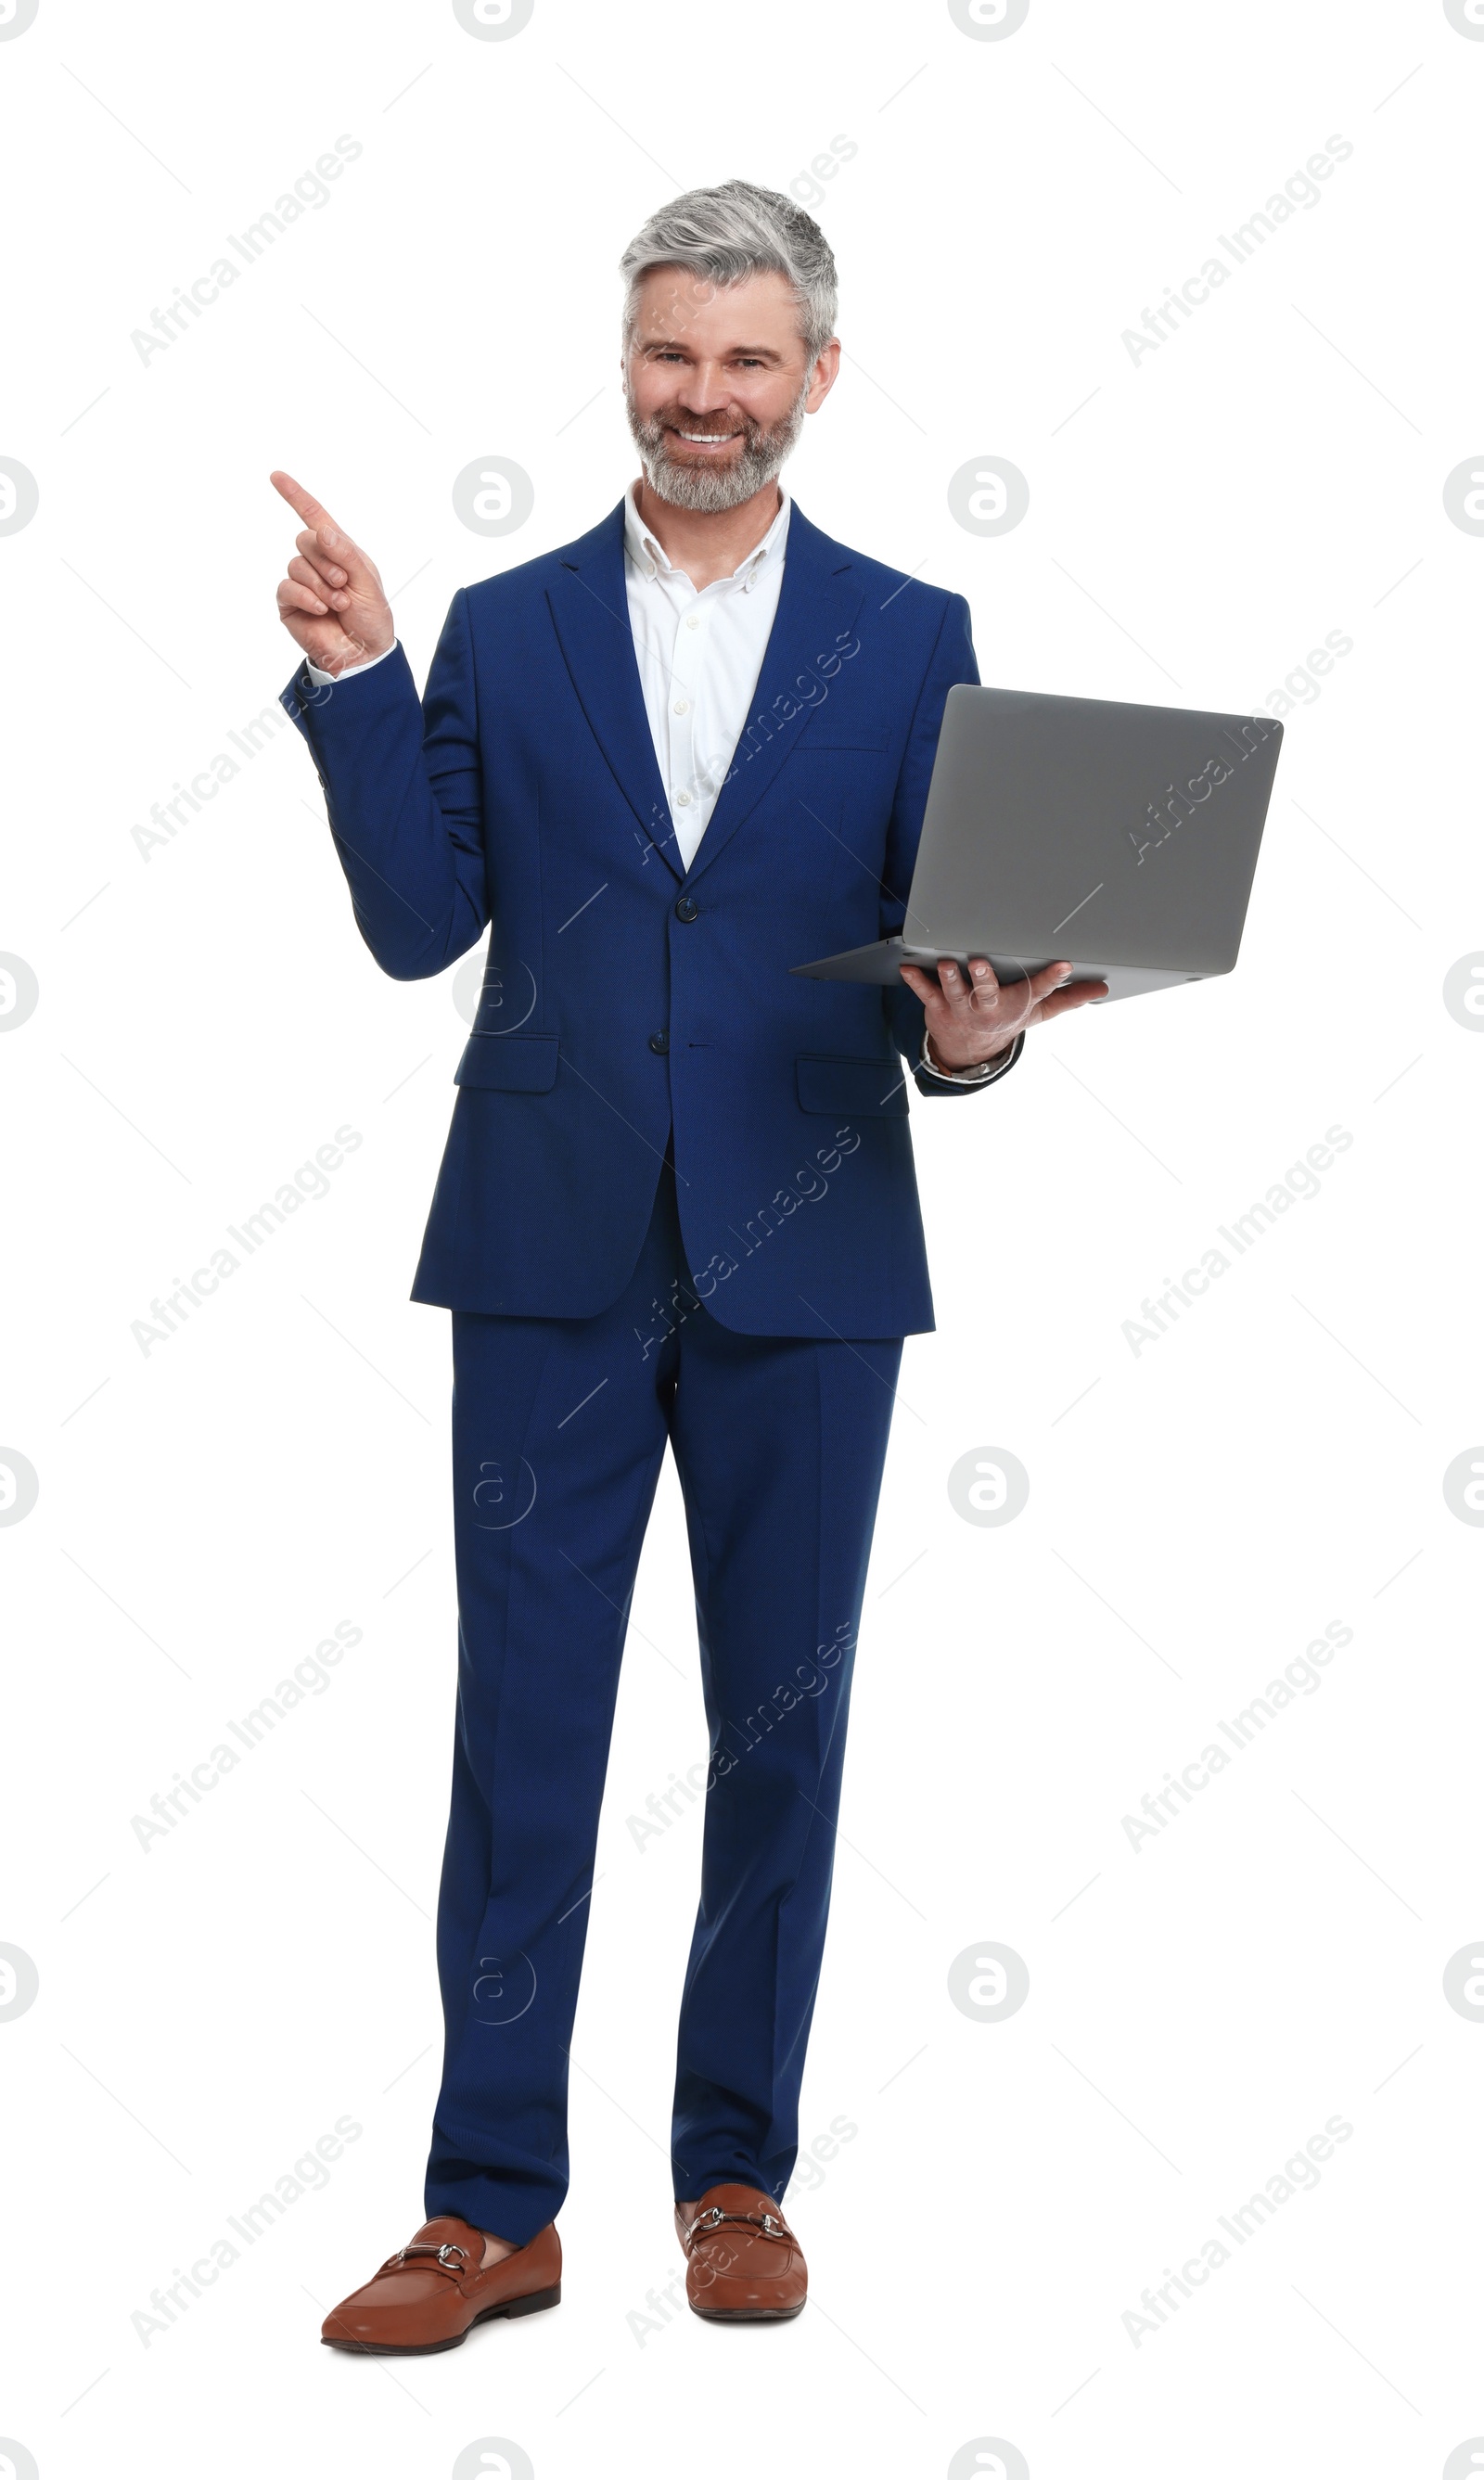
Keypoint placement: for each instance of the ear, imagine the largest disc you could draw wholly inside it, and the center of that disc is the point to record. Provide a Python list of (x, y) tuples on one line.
[(826, 371)]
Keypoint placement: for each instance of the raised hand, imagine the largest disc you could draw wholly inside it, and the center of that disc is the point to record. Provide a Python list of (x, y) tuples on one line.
[(331, 601), (973, 1016)]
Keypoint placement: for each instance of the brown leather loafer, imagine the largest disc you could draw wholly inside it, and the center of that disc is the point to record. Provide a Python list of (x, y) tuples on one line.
[(428, 2295), (742, 2259)]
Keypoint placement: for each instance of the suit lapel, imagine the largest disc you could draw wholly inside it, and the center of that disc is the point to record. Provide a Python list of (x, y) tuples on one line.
[(589, 608), (821, 595)]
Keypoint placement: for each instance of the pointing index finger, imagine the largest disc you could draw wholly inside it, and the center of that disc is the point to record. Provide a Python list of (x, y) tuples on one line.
[(304, 503), (332, 537)]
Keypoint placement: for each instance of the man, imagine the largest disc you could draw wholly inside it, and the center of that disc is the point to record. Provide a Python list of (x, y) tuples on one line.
[(662, 764)]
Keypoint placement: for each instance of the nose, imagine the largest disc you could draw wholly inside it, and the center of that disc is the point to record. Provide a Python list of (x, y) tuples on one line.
[(706, 389)]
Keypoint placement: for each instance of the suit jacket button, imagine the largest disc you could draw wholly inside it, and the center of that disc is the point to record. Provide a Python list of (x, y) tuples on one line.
[(659, 1042), (687, 909)]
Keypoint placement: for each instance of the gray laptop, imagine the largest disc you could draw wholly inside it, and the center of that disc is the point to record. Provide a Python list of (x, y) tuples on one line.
[(1122, 837)]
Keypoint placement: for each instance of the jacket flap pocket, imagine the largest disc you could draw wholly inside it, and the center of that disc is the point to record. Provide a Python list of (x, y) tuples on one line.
[(516, 1063), (861, 1089)]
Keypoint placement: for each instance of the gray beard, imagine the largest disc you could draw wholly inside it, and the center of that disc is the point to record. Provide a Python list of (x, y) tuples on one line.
[(710, 490)]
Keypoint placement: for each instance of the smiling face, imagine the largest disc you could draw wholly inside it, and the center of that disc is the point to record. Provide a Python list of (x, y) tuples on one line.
[(717, 381)]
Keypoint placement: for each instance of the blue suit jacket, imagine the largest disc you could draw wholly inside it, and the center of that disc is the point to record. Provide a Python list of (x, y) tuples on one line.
[(625, 996)]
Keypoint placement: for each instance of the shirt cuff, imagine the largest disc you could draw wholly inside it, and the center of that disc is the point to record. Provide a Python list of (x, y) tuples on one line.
[(984, 1074), (320, 678)]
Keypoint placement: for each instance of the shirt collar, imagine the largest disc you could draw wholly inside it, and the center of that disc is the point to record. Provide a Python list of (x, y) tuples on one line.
[(648, 554)]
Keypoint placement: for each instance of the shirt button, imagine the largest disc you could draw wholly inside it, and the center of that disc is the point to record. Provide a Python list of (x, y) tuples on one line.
[(682, 800), (682, 706), (659, 1042), (687, 909), (692, 621)]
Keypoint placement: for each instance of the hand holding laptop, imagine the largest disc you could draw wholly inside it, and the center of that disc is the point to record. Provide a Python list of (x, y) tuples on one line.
[(973, 1016)]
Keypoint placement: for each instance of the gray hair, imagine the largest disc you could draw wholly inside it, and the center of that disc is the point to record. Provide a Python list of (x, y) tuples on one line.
[(732, 232)]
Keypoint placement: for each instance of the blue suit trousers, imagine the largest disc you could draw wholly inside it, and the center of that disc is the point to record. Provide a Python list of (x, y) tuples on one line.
[(560, 1428)]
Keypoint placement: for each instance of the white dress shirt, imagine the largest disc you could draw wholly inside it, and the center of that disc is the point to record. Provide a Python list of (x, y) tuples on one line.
[(700, 653)]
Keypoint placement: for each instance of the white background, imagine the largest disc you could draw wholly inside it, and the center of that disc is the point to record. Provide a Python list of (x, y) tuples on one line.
[(207, 1018)]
